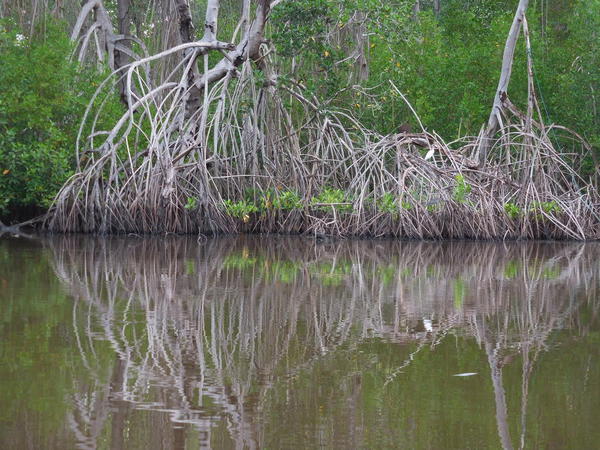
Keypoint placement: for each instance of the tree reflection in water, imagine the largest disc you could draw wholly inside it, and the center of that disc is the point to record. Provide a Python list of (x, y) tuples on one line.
[(202, 331)]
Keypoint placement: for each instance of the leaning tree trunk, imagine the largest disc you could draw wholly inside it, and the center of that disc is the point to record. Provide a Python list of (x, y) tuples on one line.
[(122, 57), (187, 34), (495, 119)]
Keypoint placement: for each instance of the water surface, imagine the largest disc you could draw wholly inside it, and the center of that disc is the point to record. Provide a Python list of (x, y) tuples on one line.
[(285, 342)]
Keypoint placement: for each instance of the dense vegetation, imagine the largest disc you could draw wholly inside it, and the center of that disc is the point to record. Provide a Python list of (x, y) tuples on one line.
[(448, 66), (443, 56), (43, 98)]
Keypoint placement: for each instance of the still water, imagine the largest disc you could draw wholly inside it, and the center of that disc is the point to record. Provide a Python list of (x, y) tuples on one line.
[(285, 342)]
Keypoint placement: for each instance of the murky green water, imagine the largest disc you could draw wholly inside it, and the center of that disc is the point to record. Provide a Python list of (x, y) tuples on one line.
[(272, 342)]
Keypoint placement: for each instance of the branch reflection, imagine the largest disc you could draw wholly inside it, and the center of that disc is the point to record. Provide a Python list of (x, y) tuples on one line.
[(205, 334)]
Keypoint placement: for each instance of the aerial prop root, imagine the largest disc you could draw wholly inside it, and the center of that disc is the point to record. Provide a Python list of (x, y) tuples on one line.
[(161, 170)]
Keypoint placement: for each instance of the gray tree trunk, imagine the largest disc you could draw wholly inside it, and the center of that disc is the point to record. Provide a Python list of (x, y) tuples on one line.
[(416, 9), (495, 119), (210, 24), (187, 33), (362, 47), (121, 57), (249, 46)]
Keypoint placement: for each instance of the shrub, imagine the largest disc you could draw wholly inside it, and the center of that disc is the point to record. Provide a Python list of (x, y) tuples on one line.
[(241, 209), (287, 201), (42, 102), (461, 190), (387, 204), (512, 210), (331, 198), (548, 207)]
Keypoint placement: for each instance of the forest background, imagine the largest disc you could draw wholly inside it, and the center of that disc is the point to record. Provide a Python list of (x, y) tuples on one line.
[(444, 55)]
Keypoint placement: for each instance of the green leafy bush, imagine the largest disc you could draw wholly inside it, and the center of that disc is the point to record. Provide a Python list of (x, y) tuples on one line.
[(512, 210), (388, 204), (287, 201), (332, 198), (241, 209), (43, 99), (547, 207), (191, 204), (461, 190)]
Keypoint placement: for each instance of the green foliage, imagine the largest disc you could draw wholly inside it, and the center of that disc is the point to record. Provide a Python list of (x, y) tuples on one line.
[(259, 201), (287, 201), (262, 200), (568, 70), (447, 66), (512, 210), (547, 207), (191, 204), (332, 198), (42, 102), (388, 204), (299, 26), (241, 209), (433, 207), (461, 190), (442, 66)]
